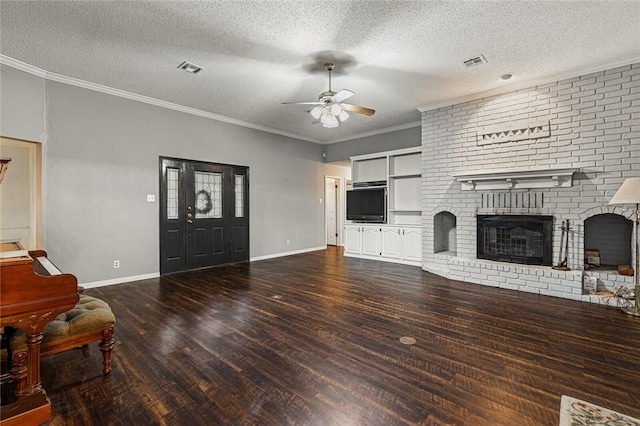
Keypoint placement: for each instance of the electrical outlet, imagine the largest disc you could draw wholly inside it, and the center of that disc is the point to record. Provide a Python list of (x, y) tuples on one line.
[(116, 264), (288, 242), (151, 198)]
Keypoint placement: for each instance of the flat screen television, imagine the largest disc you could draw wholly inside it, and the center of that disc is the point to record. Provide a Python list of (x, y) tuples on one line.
[(367, 205)]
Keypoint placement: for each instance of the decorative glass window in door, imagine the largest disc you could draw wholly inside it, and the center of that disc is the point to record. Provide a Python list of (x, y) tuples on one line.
[(208, 187), (173, 175), (239, 190)]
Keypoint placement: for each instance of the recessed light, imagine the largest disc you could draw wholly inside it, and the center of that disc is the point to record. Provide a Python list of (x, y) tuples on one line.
[(189, 67), (506, 76)]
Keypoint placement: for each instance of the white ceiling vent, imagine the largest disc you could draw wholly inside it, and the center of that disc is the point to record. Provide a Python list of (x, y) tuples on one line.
[(189, 67), (480, 59)]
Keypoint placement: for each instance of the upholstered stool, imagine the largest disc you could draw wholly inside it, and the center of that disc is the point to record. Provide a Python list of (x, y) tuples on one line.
[(89, 321)]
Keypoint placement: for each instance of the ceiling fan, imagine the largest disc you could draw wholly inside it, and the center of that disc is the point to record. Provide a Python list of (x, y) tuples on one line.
[(329, 109)]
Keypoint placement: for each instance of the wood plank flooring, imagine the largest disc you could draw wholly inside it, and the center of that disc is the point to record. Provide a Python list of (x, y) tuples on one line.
[(313, 339)]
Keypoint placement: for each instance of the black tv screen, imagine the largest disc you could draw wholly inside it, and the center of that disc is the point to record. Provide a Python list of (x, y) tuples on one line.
[(367, 205)]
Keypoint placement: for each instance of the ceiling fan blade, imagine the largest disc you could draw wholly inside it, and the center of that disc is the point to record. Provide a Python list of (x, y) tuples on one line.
[(302, 103), (342, 95), (358, 109)]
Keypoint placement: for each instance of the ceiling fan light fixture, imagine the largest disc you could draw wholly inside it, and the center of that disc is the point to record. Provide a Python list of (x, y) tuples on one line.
[(316, 112), (329, 120), (329, 109)]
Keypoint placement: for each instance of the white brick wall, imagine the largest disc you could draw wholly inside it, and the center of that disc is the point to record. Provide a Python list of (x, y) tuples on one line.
[(595, 126)]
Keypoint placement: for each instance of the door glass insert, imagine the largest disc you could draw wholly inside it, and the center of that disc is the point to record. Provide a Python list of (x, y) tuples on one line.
[(208, 187), (239, 190), (173, 176)]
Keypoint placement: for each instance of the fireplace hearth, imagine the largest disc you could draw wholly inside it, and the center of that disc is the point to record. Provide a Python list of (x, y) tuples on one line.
[(524, 239)]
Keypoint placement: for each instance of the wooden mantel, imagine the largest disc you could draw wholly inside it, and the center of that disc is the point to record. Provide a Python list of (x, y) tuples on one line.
[(516, 179)]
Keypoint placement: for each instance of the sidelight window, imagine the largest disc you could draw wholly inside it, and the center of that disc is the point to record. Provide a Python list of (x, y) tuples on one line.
[(173, 176), (239, 191)]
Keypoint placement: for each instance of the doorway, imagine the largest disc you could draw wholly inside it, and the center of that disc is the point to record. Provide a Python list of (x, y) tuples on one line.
[(21, 193), (204, 214), (332, 210)]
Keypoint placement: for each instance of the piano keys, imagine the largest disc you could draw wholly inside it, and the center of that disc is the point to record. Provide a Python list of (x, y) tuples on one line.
[(33, 292)]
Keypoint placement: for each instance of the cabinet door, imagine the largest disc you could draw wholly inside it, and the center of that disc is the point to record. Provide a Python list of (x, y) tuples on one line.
[(371, 241), (391, 242), (352, 239), (412, 244)]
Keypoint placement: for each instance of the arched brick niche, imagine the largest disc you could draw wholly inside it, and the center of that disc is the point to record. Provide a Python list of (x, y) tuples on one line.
[(445, 233), (609, 234)]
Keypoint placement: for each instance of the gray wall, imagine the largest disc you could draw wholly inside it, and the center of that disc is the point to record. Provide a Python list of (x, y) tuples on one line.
[(101, 160), (22, 100), (407, 138)]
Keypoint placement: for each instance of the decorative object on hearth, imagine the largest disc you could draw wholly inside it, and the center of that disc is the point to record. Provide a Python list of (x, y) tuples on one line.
[(592, 258), (564, 247), (329, 109), (574, 411), (625, 270), (4, 166), (629, 193)]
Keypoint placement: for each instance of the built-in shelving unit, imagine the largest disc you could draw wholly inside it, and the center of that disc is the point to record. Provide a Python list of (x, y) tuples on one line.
[(401, 170), (400, 239)]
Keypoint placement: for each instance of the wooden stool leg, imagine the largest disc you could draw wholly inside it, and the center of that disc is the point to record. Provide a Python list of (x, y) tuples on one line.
[(106, 345)]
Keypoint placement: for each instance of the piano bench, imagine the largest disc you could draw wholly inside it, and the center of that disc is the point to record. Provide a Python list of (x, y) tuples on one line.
[(89, 321)]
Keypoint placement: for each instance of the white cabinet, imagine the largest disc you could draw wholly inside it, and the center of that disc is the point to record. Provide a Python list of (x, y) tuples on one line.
[(400, 244), (412, 244), (352, 239), (391, 242), (371, 241)]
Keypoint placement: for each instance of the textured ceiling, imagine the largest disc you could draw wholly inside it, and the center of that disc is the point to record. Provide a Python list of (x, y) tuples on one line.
[(395, 55)]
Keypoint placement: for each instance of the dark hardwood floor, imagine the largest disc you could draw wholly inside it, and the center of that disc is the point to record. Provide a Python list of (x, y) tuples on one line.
[(313, 339)]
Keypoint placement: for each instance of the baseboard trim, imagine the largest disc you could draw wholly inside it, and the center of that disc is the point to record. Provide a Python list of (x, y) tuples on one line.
[(287, 253), (121, 280)]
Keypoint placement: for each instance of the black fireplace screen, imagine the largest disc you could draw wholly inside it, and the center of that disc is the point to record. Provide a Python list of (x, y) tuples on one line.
[(516, 238)]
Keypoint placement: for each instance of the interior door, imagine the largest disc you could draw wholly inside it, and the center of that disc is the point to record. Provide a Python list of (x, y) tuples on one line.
[(204, 215), (331, 207)]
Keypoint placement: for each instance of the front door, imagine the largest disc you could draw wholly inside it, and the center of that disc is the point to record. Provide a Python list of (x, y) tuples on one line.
[(204, 214)]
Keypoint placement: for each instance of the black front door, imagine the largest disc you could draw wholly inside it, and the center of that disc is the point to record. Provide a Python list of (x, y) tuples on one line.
[(204, 214)]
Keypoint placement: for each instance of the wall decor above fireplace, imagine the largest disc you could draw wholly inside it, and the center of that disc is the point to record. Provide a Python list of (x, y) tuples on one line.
[(514, 131)]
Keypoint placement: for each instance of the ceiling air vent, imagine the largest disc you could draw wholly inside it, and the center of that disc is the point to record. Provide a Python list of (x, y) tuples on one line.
[(475, 61), (189, 67)]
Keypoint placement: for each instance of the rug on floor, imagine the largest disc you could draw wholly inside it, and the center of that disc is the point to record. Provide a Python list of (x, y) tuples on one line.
[(575, 412)]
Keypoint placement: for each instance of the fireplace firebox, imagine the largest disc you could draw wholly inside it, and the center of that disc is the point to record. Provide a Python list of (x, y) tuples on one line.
[(525, 239)]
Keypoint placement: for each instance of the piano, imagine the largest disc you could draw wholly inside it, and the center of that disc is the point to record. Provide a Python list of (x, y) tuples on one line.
[(32, 293)]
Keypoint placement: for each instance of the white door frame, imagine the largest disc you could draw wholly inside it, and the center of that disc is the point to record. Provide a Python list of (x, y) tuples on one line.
[(340, 211)]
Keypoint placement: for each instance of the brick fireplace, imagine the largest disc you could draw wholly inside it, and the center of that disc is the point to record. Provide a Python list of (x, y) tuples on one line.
[(559, 150)]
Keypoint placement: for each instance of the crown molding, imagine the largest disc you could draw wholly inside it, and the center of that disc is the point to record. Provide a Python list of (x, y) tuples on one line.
[(531, 83), (14, 63), (379, 132)]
